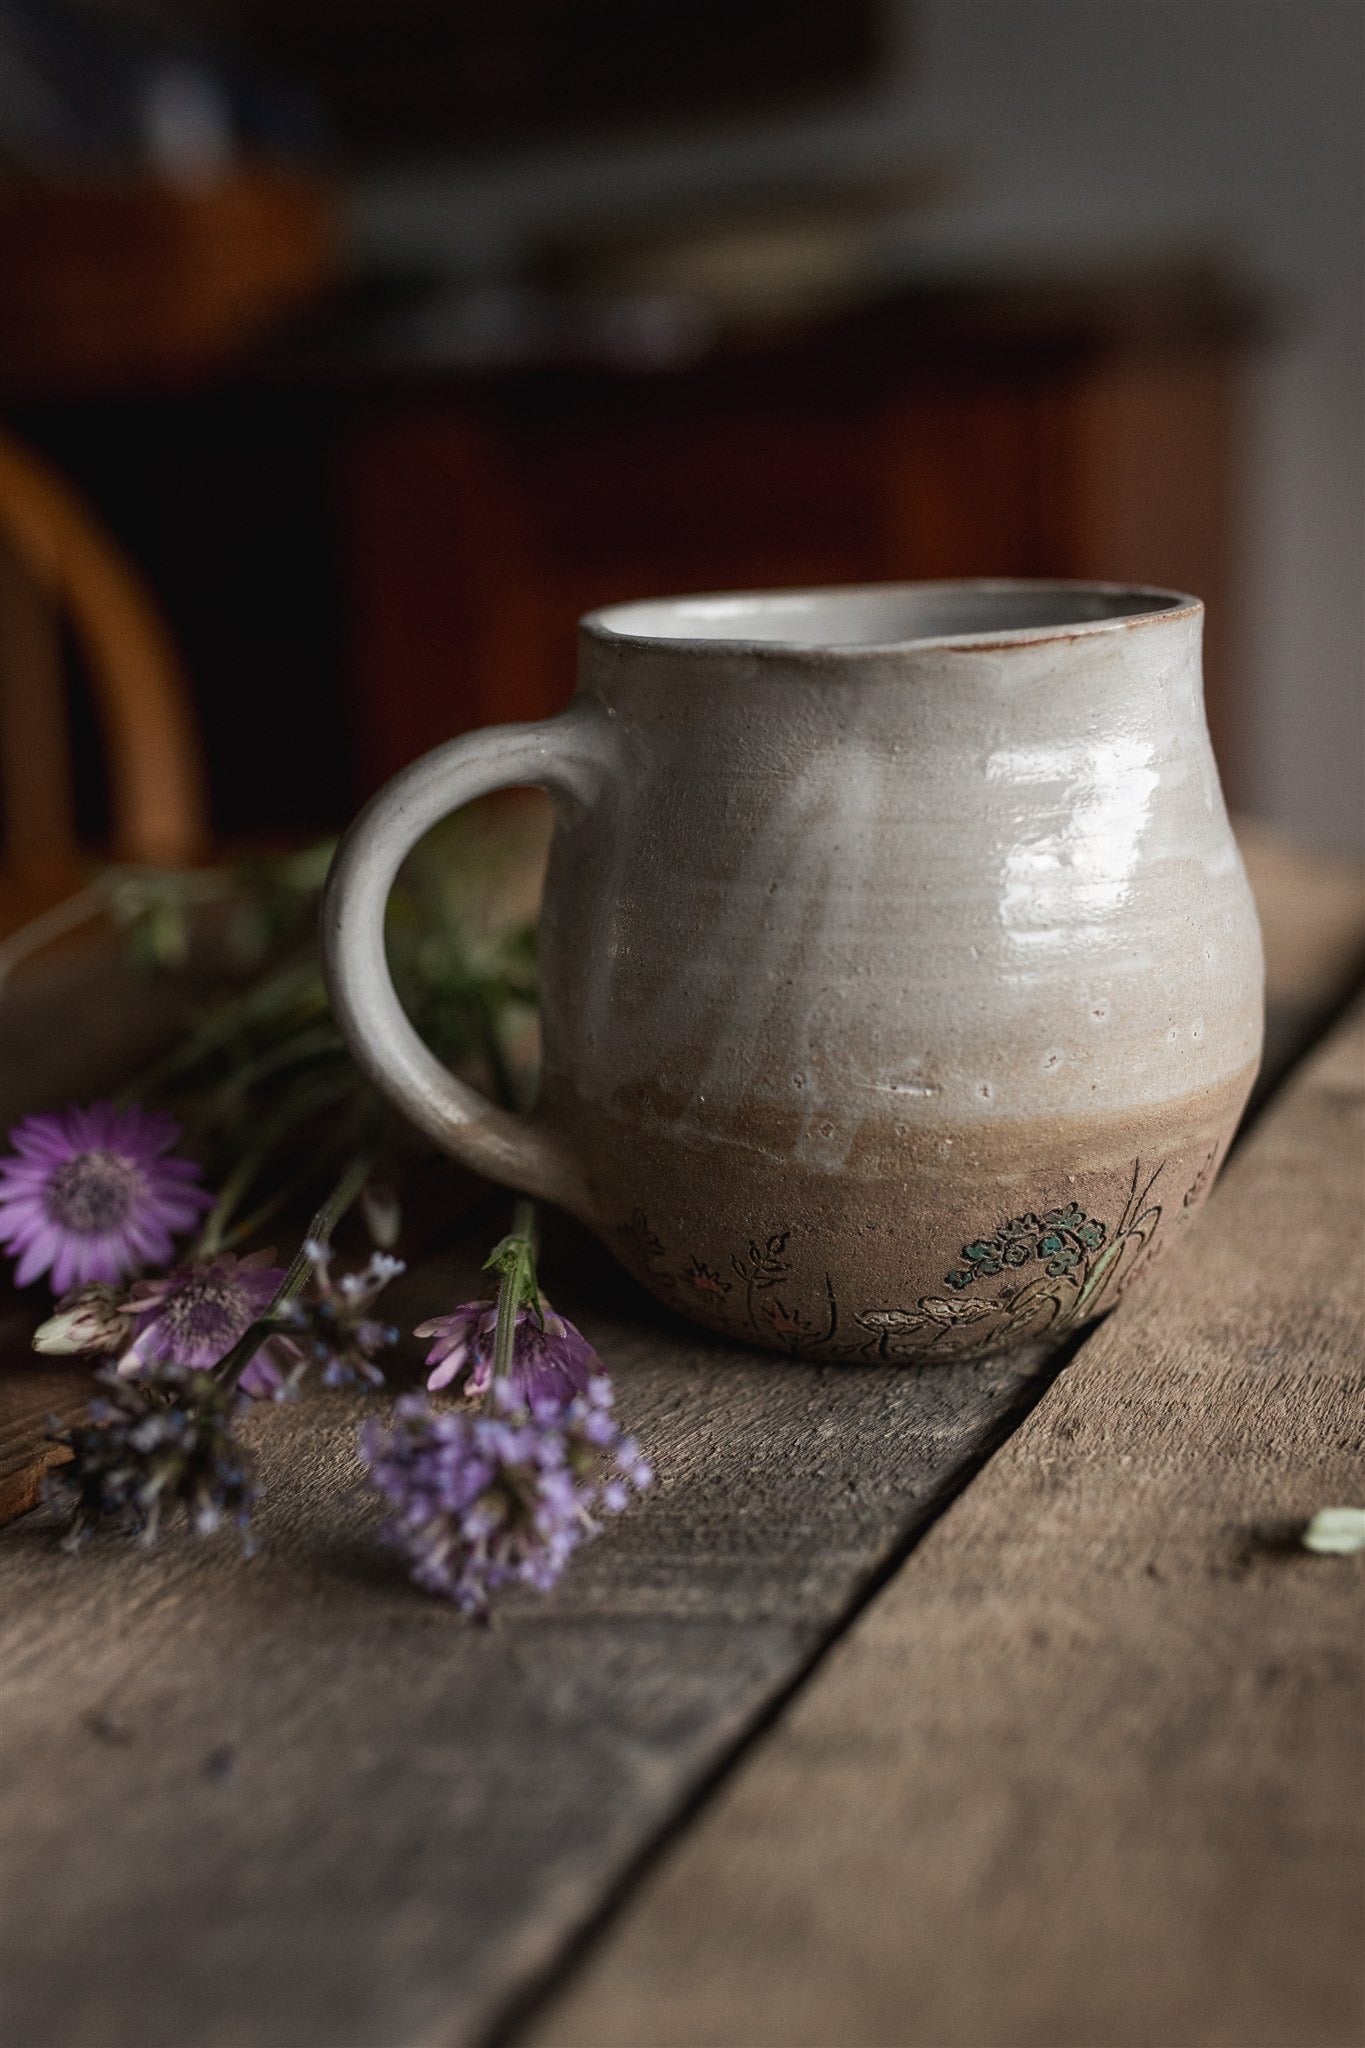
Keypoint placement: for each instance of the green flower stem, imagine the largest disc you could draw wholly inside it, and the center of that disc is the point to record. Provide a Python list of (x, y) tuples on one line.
[(298, 982), (210, 1240), (323, 1224), (308, 1045), (303, 1103), (514, 1259), (68, 916), (505, 1083), (280, 1198), (231, 1368)]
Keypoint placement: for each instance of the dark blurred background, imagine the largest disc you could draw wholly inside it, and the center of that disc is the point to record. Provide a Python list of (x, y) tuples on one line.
[(349, 349)]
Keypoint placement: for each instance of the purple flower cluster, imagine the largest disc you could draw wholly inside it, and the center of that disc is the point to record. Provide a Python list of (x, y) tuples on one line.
[(332, 1327), (498, 1490), (487, 1500), (551, 1361), (147, 1447)]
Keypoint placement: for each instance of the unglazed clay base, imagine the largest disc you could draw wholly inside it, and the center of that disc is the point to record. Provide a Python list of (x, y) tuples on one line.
[(968, 1247)]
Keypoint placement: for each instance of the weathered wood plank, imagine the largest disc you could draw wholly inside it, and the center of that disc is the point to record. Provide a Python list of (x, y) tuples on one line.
[(1312, 908), (1088, 1772), (33, 1391), (292, 1801)]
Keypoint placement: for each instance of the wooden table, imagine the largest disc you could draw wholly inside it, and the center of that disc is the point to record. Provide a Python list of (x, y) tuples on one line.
[(993, 1704)]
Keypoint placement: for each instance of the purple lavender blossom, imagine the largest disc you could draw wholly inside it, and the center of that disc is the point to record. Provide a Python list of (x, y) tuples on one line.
[(482, 1501), (88, 1194), (551, 1360), (194, 1315), (149, 1446), (332, 1327)]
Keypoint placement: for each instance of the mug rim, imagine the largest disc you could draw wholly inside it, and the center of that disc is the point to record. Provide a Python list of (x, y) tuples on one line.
[(607, 624)]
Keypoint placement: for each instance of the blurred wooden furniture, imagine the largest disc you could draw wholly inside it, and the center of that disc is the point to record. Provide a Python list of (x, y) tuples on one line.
[(1082, 431), (58, 566), (990, 1704), (115, 280), (403, 79), (363, 552)]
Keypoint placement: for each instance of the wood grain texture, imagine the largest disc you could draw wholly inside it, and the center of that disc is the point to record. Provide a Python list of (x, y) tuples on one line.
[(33, 1392), (78, 1022), (1088, 1772), (1312, 908), (292, 1803)]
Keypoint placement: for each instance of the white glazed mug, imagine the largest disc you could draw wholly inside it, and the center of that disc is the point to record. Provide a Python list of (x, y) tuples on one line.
[(901, 983)]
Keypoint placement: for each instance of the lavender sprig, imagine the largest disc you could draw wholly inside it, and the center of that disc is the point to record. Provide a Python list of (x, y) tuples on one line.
[(161, 1434), (331, 1326), (485, 1500), (151, 1446), (503, 1489)]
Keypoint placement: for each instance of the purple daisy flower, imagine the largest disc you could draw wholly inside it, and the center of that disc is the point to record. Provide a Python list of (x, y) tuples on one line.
[(551, 1360), (194, 1315), (89, 1195)]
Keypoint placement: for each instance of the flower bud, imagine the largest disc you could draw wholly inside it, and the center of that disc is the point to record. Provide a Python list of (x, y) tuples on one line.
[(88, 1319), (382, 1210)]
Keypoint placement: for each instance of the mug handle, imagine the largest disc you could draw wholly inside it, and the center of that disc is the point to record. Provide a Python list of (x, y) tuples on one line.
[(570, 756)]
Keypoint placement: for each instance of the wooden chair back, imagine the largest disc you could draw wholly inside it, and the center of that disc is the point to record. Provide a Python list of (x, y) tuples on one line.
[(57, 563)]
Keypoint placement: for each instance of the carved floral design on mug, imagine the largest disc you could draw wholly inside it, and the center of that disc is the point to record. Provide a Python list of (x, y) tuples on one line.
[(1081, 1260), (1085, 1262), (1063, 1237)]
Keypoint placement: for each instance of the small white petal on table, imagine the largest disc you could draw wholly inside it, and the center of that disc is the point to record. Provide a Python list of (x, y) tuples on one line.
[(1336, 1532)]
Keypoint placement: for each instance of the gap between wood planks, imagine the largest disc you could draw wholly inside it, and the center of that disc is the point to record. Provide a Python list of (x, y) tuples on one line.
[(518, 2022), (525, 2007)]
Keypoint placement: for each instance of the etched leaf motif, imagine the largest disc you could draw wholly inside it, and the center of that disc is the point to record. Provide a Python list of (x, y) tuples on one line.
[(896, 1322), (766, 1265), (787, 1322), (1076, 1261), (1065, 1238), (932, 1313), (952, 1314), (705, 1279)]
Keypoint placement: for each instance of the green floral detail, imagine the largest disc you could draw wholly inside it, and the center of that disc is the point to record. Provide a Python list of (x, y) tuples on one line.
[(1061, 1238), (1078, 1262)]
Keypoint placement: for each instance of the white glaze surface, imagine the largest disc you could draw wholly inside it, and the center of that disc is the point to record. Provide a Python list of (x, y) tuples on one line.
[(963, 881)]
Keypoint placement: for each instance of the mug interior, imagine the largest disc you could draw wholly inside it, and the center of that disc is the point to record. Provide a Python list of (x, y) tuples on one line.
[(884, 615)]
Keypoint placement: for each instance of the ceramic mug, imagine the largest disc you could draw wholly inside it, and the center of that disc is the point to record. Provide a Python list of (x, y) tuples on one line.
[(902, 987)]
